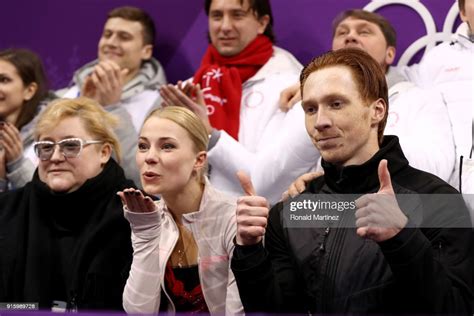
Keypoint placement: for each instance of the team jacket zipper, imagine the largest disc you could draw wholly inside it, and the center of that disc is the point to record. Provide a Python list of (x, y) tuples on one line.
[(333, 256)]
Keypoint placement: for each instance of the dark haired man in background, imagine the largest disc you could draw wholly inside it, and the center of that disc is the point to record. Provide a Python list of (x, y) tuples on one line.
[(125, 77), (241, 75)]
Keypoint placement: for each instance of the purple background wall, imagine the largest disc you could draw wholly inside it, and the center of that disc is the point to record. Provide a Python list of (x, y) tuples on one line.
[(65, 33)]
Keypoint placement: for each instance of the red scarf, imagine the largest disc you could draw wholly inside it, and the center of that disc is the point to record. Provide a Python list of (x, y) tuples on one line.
[(221, 79)]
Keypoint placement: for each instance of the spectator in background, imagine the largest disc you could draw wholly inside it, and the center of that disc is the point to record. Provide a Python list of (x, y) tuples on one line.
[(449, 68), (63, 238), (23, 95), (125, 75), (182, 244), (240, 75), (417, 116)]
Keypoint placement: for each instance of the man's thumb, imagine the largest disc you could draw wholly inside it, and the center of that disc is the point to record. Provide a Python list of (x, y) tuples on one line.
[(245, 183), (384, 178)]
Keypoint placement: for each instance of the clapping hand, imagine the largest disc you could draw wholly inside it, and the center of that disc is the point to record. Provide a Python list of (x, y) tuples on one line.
[(187, 95), (11, 142), (105, 83)]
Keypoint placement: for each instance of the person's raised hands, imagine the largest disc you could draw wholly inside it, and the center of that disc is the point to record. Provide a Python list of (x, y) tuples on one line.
[(10, 141), (187, 95), (105, 83)]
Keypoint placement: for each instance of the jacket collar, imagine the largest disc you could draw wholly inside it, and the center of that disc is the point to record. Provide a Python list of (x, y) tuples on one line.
[(208, 192), (463, 36), (364, 178)]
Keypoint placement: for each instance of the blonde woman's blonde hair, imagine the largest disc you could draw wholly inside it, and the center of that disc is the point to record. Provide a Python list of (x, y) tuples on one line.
[(191, 123), (97, 122)]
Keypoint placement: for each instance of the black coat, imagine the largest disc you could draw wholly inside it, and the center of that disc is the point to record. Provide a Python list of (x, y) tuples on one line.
[(72, 247), (423, 269)]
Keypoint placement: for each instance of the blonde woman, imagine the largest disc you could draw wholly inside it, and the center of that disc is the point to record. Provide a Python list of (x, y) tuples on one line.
[(182, 243), (63, 238)]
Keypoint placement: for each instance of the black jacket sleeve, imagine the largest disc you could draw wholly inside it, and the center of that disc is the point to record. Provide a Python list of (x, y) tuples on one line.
[(267, 276), (434, 263)]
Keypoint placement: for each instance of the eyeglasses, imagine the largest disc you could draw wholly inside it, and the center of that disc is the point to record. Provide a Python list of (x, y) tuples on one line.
[(69, 147)]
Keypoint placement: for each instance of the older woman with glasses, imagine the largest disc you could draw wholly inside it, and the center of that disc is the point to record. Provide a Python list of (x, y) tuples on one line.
[(23, 95), (63, 240)]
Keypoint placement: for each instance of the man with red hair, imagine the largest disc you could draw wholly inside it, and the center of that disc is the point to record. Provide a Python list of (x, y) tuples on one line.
[(401, 244)]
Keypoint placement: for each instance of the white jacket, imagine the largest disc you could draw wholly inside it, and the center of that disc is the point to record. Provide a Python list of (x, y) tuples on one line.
[(449, 68), (274, 147), (418, 117), (467, 179), (154, 235)]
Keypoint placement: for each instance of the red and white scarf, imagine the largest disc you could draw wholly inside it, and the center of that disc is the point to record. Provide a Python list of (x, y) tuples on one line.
[(221, 79)]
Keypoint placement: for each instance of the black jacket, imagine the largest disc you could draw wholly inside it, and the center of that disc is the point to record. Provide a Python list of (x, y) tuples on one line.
[(73, 247), (420, 270)]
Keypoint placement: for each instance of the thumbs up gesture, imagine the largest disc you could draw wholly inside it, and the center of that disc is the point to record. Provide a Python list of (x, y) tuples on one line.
[(378, 215), (252, 213)]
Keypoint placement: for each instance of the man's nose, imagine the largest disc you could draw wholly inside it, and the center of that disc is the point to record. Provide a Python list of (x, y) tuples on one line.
[(322, 120), (111, 40), (351, 37), (226, 23)]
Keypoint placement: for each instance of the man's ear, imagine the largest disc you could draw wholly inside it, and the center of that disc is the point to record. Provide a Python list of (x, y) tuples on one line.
[(263, 22), (147, 51), (390, 55), (30, 91), (201, 159), (379, 108)]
